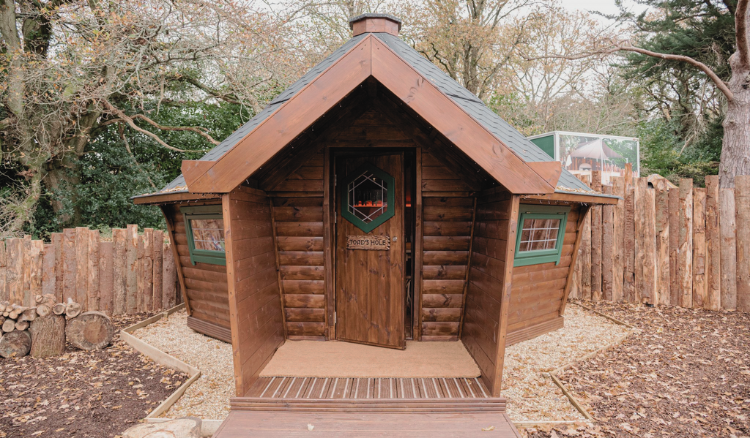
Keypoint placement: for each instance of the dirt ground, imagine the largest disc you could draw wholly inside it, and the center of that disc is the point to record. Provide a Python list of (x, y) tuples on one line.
[(687, 374), (81, 393)]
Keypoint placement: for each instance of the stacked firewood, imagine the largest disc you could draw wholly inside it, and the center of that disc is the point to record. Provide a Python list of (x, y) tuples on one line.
[(42, 330)]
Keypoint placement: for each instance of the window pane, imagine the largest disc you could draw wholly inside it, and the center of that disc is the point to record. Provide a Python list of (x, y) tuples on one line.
[(208, 234), (368, 197), (539, 234)]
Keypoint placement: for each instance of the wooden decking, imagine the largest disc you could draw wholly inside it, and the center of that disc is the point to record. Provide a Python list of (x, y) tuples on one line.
[(352, 407), (372, 388)]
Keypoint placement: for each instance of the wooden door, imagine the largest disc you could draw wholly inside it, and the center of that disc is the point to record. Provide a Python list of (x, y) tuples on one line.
[(370, 282)]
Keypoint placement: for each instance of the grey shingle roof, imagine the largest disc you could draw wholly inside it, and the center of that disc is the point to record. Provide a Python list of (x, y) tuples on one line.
[(470, 103)]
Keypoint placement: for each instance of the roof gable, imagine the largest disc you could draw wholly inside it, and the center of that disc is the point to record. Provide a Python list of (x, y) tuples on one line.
[(502, 150)]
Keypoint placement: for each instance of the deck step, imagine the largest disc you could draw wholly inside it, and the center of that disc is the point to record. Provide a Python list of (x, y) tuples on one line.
[(369, 405)]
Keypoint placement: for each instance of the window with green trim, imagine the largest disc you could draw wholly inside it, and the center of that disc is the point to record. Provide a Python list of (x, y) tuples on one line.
[(541, 231), (204, 226), (367, 197)]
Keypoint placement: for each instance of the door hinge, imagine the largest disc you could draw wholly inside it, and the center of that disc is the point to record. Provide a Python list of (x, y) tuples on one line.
[(334, 318), (335, 178)]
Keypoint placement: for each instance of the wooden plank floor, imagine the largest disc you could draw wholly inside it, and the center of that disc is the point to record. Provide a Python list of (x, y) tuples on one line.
[(367, 388), (363, 424)]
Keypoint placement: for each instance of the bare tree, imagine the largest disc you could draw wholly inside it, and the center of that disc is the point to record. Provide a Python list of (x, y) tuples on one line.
[(71, 67), (735, 153)]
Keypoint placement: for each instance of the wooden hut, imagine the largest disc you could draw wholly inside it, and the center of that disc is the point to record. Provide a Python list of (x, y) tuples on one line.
[(375, 201)]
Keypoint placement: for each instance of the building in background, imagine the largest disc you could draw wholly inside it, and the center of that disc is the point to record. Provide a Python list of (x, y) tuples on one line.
[(582, 153)]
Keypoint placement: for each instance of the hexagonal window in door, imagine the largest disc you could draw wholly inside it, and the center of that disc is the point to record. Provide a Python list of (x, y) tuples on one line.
[(367, 197)]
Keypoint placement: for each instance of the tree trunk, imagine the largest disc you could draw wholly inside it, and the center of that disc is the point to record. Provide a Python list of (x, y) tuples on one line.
[(735, 149), (15, 344), (48, 336), (90, 331)]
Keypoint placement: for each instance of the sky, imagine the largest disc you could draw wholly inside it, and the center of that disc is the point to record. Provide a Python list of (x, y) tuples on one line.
[(604, 6)]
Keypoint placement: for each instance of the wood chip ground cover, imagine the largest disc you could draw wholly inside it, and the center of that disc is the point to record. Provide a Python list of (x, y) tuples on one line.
[(686, 374), (82, 393), (531, 393), (208, 397)]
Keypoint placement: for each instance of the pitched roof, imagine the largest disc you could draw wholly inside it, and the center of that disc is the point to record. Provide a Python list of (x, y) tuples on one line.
[(462, 97)]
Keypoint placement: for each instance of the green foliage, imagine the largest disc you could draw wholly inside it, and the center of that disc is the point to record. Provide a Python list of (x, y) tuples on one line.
[(107, 175)]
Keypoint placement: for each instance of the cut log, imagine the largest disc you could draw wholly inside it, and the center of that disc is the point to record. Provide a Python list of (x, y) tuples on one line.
[(15, 344), (90, 331), (72, 309), (22, 325), (27, 315), (43, 310), (58, 309), (17, 310), (48, 336), (9, 325)]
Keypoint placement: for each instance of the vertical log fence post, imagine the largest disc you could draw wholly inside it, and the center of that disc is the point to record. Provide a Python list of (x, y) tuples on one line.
[(618, 189), (699, 248), (119, 271), (661, 188), (685, 254), (728, 226), (742, 201), (131, 270), (608, 241), (596, 240), (713, 244)]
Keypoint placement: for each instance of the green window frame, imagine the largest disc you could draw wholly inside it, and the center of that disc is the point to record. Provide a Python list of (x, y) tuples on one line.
[(534, 257), (346, 196), (199, 213)]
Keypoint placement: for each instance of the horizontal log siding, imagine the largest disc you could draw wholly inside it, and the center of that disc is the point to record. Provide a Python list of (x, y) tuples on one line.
[(446, 242), (537, 290), (299, 241), (257, 329), (205, 284), (484, 293), (437, 177)]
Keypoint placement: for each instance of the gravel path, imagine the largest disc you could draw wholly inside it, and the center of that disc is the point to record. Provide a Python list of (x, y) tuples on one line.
[(531, 393), (532, 396), (208, 397)]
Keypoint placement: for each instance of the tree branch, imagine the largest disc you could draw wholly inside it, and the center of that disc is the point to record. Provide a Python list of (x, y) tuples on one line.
[(740, 26), (627, 47), (129, 121), (177, 128)]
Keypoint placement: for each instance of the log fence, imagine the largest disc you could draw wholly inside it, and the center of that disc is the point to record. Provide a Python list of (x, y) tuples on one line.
[(664, 245), (132, 273)]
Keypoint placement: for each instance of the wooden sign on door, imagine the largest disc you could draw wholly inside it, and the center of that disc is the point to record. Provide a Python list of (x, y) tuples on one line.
[(372, 243)]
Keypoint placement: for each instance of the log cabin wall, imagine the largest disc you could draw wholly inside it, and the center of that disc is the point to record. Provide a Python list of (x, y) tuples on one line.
[(204, 285), (447, 214), (487, 296), (298, 220), (254, 297), (538, 290)]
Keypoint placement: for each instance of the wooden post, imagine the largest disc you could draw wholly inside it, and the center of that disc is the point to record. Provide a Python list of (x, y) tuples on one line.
[(82, 257), (596, 240), (608, 241), (148, 270), (37, 270), (699, 248), (106, 277), (93, 270), (169, 278), (139, 276), (727, 225), (618, 189), (742, 201), (662, 242), (57, 244), (157, 259), (69, 264), (27, 299), (585, 259), (3, 272), (685, 254), (119, 271), (15, 270), (713, 245), (645, 243), (48, 269), (674, 245), (131, 267), (628, 245)]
